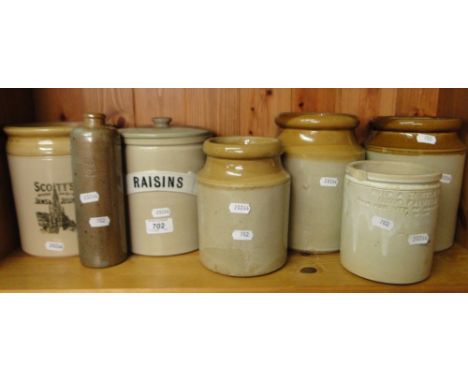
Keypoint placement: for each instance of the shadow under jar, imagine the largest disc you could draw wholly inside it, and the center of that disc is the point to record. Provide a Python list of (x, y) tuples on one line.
[(243, 206), (432, 142), (318, 146)]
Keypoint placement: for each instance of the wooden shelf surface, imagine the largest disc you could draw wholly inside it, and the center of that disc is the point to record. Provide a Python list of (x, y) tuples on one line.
[(23, 273)]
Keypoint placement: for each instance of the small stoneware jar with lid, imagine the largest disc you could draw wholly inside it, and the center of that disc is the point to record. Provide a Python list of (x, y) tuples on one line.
[(432, 142), (162, 162), (318, 146), (389, 220), (41, 174), (243, 206)]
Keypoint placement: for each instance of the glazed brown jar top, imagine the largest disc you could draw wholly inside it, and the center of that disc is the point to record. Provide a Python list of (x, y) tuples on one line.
[(415, 135), (316, 121), (242, 147)]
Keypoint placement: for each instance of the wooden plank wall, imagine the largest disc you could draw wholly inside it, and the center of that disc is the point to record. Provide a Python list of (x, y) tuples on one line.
[(230, 111)]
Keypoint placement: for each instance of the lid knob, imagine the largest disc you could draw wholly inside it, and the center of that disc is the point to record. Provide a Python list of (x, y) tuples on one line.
[(161, 121), (94, 119)]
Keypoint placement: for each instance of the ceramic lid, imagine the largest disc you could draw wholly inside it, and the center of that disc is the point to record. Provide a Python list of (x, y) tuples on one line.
[(161, 133), (248, 147), (392, 172), (416, 124), (316, 121)]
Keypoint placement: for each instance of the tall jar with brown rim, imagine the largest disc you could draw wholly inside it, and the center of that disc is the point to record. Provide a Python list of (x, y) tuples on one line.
[(432, 142), (40, 167), (318, 146), (243, 206)]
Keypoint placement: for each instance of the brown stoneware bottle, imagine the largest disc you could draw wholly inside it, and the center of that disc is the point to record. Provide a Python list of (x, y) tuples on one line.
[(99, 193)]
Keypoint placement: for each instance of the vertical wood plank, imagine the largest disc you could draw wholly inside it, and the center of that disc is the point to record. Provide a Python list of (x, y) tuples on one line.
[(454, 103), (259, 108), (417, 102), (317, 100), (151, 103), (70, 104), (214, 109)]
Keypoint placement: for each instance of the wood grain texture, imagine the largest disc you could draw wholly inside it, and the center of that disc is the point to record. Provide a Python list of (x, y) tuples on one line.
[(454, 103), (184, 273), (16, 105), (259, 108), (412, 102), (71, 104), (151, 103)]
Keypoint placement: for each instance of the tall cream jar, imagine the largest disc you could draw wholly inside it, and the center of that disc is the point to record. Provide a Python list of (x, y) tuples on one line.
[(389, 220), (161, 165), (40, 167), (432, 142), (243, 206), (318, 146)]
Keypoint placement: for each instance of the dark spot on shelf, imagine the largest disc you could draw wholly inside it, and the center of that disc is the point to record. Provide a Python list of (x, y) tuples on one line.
[(121, 122), (62, 116), (269, 92), (252, 109), (305, 253), (301, 105), (250, 132), (308, 270)]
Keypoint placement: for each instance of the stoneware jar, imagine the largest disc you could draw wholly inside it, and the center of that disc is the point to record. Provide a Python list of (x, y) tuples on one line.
[(41, 175), (162, 163), (432, 142), (389, 219), (318, 146), (243, 206), (98, 182)]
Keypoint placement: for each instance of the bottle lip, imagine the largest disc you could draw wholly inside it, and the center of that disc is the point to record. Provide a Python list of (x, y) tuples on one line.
[(392, 172), (416, 124), (317, 121), (242, 147)]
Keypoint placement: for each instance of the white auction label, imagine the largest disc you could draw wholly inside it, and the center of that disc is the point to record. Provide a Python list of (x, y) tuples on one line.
[(383, 223), (54, 246), (158, 226), (99, 221), (328, 181), (239, 208), (426, 138), (418, 239), (161, 212), (446, 178), (164, 181), (242, 235), (89, 197)]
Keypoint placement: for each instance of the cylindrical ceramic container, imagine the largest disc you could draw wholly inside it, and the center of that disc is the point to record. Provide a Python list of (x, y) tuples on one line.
[(98, 182), (41, 175), (389, 219), (243, 206), (432, 142), (318, 146), (162, 163)]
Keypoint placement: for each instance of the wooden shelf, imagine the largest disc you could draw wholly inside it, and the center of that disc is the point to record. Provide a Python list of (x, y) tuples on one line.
[(23, 273)]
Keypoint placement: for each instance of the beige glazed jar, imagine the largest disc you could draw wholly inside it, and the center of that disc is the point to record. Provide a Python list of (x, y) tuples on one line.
[(389, 219), (40, 168), (243, 206), (162, 163), (432, 142), (318, 146)]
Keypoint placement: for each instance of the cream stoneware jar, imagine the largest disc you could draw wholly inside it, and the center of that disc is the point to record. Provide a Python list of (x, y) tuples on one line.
[(40, 167), (243, 206), (432, 142), (389, 220), (318, 146), (162, 163)]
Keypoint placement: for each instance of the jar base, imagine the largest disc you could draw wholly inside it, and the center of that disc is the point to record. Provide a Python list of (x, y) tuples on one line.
[(244, 275)]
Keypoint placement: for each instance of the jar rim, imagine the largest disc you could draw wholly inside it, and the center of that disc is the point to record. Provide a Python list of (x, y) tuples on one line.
[(40, 129), (317, 121), (242, 147), (392, 172), (418, 124)]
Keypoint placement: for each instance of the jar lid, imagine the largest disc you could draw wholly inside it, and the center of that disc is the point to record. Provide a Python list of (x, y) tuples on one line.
[(392, 172), (316, 121), (248, 147), (161, 133), (41, 129), (416, 124)]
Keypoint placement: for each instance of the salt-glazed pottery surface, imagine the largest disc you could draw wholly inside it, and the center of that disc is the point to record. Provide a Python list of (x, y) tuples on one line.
[(41, 176), (98, 182), (162, 163), (389, 220), (243, 206), (318, 146), (432, 142)]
